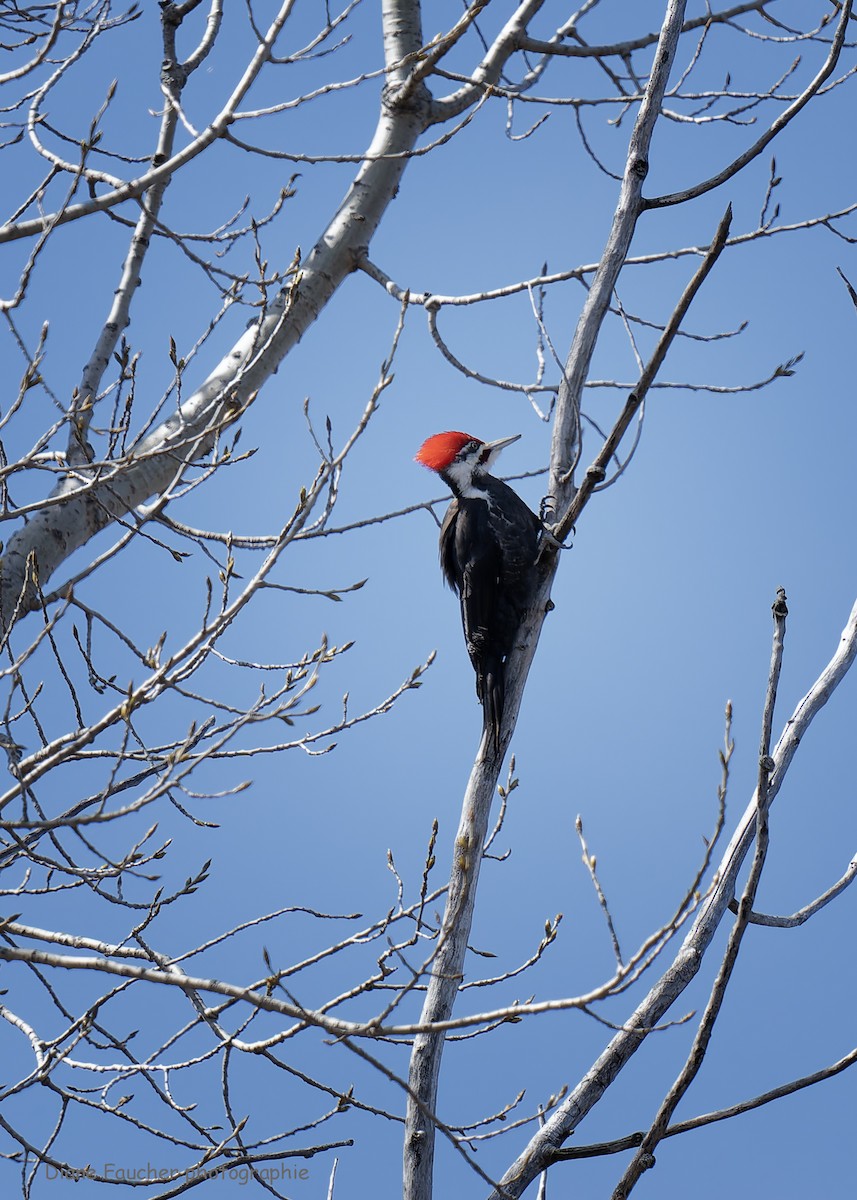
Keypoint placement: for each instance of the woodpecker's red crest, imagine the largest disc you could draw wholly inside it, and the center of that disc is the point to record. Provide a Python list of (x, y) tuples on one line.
[(438, 451)]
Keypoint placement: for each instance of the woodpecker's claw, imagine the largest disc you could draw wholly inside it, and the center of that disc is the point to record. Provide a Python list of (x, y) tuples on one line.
[(547, 510), (549, 539)]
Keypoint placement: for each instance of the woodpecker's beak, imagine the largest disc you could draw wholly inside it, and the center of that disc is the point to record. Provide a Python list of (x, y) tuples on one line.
[(491, 449), (494, 448)]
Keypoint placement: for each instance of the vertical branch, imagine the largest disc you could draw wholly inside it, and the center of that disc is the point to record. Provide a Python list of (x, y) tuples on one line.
[(173, 78), (566, 431), (448, 966), (446, 977), (403, 39), (644, 1159)]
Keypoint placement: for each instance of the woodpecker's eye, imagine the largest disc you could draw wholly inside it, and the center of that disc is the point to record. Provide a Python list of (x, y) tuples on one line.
[(467, 449)]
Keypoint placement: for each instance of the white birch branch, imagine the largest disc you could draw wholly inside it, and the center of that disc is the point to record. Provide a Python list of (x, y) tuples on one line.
[(156, 462)]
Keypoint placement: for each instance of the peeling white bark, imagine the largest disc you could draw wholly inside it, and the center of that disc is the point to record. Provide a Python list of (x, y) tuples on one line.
[(80, 508)]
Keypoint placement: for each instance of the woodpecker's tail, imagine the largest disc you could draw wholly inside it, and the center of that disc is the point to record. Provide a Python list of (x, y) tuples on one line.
[(492, 694)]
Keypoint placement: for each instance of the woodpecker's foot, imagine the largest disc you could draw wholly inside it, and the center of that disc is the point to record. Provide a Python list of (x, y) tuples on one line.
[(547, 508), (548, 539)]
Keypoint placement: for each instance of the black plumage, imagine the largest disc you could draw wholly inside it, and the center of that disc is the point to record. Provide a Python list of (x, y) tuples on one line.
[(488, 546)]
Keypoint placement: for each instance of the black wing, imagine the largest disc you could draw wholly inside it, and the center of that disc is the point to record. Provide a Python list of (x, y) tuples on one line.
[(495, 541), (448, 559), (516, 530)]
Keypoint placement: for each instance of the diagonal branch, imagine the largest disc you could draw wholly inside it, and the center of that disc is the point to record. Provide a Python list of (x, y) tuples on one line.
[(618, 1145), (596, 472), (543, 1146), (158, 175), (157, 462), (776, 127), (644, 1158)]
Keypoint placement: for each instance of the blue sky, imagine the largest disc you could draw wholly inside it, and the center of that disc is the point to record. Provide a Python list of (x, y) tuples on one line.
[(662, 603)]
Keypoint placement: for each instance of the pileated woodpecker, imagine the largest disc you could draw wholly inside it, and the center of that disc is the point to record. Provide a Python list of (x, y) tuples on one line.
[(488, 546)]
